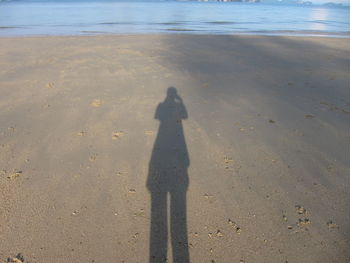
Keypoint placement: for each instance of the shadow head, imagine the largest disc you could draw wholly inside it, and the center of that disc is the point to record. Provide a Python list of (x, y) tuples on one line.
[(172, 93)]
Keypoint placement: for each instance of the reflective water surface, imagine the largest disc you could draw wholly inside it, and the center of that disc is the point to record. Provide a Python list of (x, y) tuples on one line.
[(120, 17)]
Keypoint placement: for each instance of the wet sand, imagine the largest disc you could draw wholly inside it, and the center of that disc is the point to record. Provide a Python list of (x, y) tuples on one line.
[(260, 154)]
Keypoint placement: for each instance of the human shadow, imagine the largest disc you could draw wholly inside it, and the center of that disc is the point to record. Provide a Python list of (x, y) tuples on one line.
[(168, 178)]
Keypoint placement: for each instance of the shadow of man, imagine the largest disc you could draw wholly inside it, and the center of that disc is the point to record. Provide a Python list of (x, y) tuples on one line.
[(168, 174)]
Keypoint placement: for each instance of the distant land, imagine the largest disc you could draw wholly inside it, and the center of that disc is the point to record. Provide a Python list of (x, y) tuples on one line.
[(282, 2)]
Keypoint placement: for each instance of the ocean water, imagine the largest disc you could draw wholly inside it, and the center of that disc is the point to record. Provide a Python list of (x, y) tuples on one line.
[(78, 17)]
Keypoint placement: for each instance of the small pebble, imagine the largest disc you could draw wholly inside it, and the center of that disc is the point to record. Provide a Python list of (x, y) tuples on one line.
[(75, 212), (96, 103), (300, 210), (219, 234), (117, 135)]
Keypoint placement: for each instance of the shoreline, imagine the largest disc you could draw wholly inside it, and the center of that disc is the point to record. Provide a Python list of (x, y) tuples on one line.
[(337, 35)]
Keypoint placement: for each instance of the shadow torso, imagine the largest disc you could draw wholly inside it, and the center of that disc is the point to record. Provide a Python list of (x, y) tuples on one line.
[(169, 160)]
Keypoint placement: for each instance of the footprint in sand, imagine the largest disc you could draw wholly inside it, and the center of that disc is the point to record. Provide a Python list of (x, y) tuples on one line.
[(82, 133), (96, 103), (17, 259), (303, 222), (93, 157), (300, 210), (14, 174), (234, 226), (331, 224), (206, 196), (228, 162), (132, 191), (219, 233)]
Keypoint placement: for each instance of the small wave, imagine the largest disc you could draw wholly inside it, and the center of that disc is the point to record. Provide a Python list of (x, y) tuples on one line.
[(320, 21), (92, 32), (9, 27), (115, 23), (220, 23), (345, 34), (170, 23), (180, 29)]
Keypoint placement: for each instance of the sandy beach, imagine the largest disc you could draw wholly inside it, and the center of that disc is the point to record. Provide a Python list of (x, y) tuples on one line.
[(185, 148)]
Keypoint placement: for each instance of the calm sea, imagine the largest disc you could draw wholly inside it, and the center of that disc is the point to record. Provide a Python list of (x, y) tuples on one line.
[(77, 17)]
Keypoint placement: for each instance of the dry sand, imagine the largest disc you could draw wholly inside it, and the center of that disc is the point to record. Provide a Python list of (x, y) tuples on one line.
[(267, 135)]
